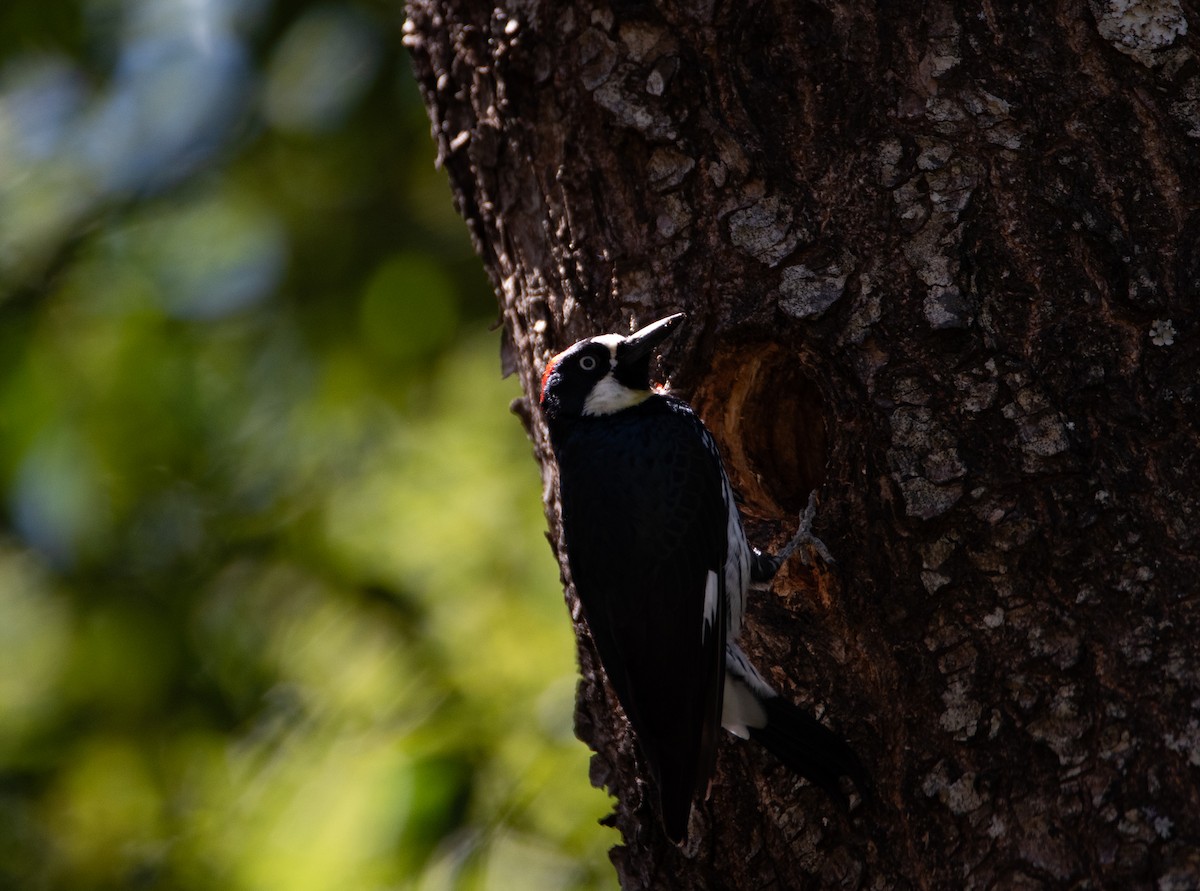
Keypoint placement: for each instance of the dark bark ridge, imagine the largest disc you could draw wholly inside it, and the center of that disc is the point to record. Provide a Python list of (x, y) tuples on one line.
[(940, 264)]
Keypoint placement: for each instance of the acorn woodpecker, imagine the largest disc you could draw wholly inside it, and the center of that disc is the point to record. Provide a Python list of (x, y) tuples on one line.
[(661, 566)]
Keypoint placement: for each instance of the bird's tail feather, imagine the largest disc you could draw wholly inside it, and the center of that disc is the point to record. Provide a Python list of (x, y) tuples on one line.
[(810, 749), (676, 789)]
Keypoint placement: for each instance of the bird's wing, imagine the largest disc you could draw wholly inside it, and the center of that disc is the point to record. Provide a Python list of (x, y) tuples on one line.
[(645, 525)]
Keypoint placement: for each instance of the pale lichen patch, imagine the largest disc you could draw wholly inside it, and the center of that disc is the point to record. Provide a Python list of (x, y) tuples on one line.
[(935, 553), (1062, 727), (765, 230), (934, 581), (640, 39), (1186, 741), (891, 151), (960, 796), (945, 307), (1140, 28), (1162, 332), (961, 716), (668, 168), (1186, 109), (597, 57), (1042, 844), (804, 293), (674, 216), (632, 112), (934, 155)]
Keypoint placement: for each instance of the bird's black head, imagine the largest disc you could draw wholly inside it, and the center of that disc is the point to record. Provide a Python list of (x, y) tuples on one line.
[(602, 375)]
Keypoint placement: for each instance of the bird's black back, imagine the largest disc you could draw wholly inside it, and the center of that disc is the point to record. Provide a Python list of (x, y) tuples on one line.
[(645, 523)]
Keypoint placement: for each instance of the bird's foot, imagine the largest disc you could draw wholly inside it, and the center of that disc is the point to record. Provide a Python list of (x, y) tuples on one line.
[(804, 536), (764, 567)]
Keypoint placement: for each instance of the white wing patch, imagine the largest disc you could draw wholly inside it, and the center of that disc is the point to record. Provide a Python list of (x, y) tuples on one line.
[(741, 709), (737, 558), (711, 600), (745, 691)]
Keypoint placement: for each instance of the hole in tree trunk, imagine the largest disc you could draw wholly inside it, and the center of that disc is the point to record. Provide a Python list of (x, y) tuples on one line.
[(769, 419)]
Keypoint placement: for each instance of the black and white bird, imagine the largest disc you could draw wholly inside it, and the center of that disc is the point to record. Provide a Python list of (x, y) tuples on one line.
[(661, 566)]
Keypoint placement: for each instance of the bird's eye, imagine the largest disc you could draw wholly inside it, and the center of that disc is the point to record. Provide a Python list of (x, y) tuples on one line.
[(588, 363)]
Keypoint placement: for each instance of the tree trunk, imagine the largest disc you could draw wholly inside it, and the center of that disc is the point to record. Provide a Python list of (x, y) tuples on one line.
[(941, 265)]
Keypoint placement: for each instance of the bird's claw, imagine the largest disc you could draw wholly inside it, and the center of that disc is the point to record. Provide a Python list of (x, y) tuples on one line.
[(804, 536)]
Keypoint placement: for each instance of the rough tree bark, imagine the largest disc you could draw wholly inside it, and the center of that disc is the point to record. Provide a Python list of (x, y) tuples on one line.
[(941, 264)]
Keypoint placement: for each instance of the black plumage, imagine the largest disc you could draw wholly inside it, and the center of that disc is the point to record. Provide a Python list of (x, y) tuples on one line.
[(641, 579)]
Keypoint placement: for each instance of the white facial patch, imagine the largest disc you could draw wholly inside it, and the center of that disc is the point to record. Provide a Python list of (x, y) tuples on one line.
[(611, 341), (610, 396)]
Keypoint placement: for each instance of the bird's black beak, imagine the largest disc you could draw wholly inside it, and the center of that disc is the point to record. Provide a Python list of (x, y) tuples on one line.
[(641, 343), (633, 353)]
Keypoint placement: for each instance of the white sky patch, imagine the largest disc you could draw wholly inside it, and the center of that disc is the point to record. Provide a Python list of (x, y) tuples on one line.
[(199, 17)]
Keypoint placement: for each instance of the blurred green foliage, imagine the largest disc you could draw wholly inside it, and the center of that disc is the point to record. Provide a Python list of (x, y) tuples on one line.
[(276, 610)]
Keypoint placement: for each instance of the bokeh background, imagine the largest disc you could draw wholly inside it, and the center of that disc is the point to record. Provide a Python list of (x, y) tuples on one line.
[(276, 607)]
